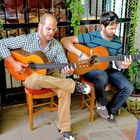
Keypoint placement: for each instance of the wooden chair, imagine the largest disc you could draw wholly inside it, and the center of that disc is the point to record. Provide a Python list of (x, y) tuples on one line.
[(89, 100), (39, 107)]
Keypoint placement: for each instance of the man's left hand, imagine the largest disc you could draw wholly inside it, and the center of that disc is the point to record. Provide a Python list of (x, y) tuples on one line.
[(127, 61), (124, 64), (67, 70)]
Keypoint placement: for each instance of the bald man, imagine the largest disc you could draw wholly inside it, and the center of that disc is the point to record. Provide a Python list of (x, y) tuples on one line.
[(56, 80)]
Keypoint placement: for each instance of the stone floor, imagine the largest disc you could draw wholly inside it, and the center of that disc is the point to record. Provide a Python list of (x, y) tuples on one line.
[(14, 125)]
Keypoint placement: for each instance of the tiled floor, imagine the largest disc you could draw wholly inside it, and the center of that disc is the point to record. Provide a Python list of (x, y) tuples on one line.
[(14, 125)]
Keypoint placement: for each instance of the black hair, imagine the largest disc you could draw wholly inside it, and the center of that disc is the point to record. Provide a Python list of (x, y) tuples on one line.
[(109, 18)]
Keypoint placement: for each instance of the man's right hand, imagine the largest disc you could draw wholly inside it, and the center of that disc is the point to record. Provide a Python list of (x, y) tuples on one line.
[(83, 56), (18, 66)]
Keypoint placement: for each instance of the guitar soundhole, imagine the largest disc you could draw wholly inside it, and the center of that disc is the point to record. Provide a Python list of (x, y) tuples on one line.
[(32, 65), (93, 59)]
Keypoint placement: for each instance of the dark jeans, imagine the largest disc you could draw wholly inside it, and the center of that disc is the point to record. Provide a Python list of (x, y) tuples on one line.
[(100, 78)]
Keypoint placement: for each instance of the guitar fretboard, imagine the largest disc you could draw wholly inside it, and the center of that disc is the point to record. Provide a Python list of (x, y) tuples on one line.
[(51, 66), (117, 58)]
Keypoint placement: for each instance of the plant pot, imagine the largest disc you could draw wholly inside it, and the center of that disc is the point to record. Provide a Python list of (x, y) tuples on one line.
[(133, 102)]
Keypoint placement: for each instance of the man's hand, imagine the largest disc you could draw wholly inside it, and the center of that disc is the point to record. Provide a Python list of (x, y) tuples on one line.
[(124, 64), (19, 67), (127, 61), (67, 70), (83, 56)]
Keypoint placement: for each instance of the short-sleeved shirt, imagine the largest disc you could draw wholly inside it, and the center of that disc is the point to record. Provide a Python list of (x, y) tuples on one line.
[(31, 43), (94, 39)]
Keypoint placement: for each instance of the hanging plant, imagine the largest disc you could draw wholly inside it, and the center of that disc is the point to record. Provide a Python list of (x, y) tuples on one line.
[(135, 66), (77, 11)]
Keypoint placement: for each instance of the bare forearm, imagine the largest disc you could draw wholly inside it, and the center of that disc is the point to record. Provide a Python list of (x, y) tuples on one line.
[(68, 43), (10, 59), (18, 66)]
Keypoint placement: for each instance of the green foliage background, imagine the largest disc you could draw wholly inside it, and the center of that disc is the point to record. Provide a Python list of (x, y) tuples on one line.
[(135, 66), (77, 11)]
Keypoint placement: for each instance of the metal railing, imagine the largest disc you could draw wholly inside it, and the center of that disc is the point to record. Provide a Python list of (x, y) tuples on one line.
[(21, 17)]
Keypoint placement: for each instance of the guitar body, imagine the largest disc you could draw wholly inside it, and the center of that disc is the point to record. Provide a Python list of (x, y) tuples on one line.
[(97, 51), (26, 58)]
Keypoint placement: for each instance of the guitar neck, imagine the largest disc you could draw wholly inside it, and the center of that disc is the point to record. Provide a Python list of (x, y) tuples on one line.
[(51, 66), (117, 58)]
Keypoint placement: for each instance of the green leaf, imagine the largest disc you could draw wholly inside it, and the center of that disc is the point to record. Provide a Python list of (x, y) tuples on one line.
[(77, 11)]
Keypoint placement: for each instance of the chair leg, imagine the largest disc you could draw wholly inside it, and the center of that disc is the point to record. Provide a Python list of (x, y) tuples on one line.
[(30, 102), (27, 101), (92, 104), (82, 101), (51, 101)]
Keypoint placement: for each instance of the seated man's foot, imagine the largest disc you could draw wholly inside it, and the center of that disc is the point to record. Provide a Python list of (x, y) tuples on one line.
[(102, 111), (66, 135), (82, 88), (111, 119)]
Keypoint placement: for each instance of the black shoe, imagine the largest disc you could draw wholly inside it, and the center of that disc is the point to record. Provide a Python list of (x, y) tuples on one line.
[(82, 88), (111, 119), (66, 135)]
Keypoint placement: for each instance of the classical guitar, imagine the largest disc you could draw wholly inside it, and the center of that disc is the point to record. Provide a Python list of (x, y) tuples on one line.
[(99, 58), (37, 62)]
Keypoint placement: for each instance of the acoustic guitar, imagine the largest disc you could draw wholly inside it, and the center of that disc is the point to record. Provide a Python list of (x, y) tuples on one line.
[(99, 58), (37, 63)]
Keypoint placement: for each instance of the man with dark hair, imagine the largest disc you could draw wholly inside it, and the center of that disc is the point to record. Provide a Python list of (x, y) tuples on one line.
[(104, 37), (43, 41)]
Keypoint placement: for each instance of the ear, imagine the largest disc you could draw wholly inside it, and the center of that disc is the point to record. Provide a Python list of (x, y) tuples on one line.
[(102, 26), (39, 25)]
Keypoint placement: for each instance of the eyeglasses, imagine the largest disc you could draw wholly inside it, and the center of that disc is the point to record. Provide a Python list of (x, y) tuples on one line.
[(111, 18), (49, 29)]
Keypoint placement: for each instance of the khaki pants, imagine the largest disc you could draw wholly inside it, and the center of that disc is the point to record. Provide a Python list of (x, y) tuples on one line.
[(62, 87)]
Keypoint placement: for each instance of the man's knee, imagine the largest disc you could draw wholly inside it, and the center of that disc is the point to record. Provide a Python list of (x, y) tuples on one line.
[(102, 77), (32, 82), (130, 89)]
